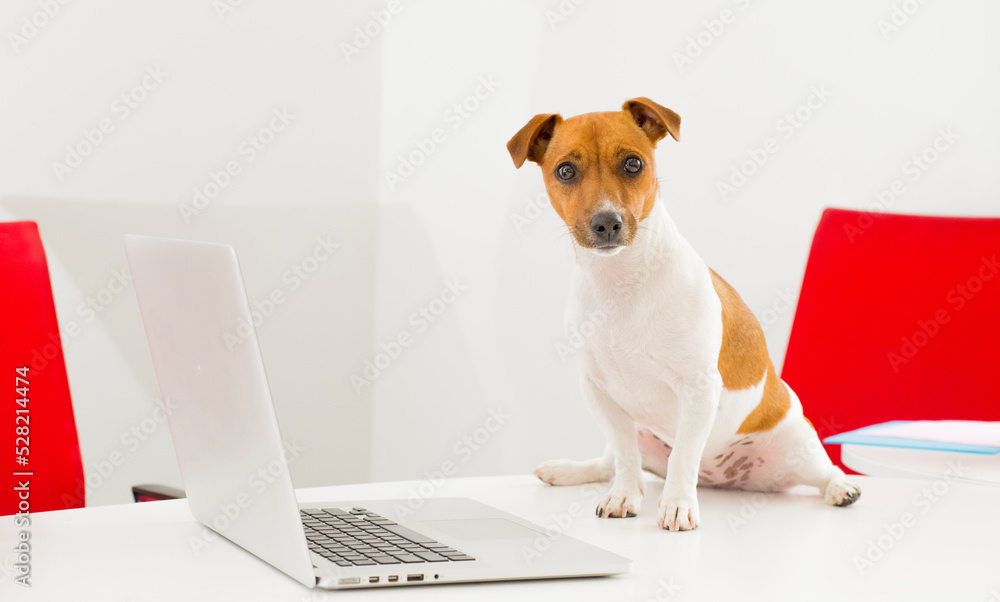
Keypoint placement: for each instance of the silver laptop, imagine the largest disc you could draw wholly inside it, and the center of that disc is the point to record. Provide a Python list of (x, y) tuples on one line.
[(225, 434)]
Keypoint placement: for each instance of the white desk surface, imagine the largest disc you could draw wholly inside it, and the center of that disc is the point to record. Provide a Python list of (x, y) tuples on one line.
[(750, 547), (874, 460)]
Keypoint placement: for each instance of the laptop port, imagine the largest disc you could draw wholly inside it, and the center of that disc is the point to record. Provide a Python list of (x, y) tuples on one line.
[(392, 578), (415, 577), (349, 580), (373, 580)]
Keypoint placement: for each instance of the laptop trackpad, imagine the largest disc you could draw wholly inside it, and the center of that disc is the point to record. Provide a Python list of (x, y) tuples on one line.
[(473, 529)]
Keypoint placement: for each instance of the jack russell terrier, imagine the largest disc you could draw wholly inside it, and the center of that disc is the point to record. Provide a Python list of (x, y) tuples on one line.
[(677, 372)]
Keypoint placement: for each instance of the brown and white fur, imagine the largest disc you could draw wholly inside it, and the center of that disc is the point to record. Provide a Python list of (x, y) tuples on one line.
[(676, 371)]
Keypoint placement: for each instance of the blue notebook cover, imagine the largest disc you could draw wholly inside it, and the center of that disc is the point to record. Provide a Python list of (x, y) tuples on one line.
[(869, 436)]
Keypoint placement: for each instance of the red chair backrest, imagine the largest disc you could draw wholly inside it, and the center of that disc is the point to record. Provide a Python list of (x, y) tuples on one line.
[(42, 429), (898, 318)]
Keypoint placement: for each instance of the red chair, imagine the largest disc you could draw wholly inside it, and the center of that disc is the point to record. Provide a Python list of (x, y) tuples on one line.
[(898, 318), (39, 428)]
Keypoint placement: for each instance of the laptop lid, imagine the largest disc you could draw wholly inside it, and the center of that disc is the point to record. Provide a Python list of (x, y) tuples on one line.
[(224, 428)]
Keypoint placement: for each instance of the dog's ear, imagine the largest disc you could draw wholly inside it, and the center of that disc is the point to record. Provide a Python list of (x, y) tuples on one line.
[(530, 143), (655, 120)]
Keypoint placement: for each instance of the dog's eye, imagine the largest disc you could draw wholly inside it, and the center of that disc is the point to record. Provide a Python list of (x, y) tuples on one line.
[(632, 165), (566, 172)]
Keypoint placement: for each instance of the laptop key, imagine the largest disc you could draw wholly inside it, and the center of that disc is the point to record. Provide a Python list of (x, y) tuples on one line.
[(462, 557), (408, 558), (430, 556), (385, 559), (364, 562), (410, 534)]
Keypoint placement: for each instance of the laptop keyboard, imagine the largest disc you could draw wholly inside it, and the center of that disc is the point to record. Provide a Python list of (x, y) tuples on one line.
[(360, 537)]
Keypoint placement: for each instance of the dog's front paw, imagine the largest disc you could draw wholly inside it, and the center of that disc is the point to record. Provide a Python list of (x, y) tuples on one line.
[(620, 502), (841, 492), (678, 513)]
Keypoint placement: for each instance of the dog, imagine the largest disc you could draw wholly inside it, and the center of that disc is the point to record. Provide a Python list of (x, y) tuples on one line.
[(675, 369)]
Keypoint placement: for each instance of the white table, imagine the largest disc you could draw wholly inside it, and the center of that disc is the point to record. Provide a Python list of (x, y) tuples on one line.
[(750, 547), (877, 461)]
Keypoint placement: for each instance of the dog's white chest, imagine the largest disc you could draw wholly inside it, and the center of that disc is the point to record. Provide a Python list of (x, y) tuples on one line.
[(646, 323), (623, 353)]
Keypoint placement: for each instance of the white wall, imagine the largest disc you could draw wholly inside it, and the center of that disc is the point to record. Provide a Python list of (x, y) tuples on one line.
[(224, 76), (885, 97)]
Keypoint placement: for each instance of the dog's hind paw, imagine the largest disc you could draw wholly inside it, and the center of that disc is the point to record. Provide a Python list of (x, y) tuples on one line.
[(841, 492), (571, 472)]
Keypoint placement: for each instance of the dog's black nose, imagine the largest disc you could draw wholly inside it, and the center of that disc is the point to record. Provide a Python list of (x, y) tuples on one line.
[(607, 226)]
